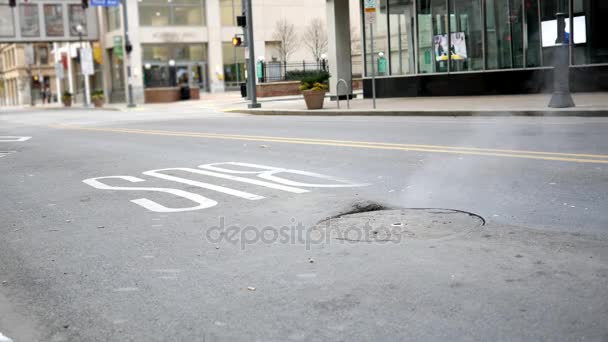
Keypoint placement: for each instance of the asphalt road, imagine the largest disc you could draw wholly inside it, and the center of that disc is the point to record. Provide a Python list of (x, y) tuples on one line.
[(108, 223)]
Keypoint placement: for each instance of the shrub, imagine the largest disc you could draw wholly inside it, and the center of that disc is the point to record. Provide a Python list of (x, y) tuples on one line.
[(315, 82)]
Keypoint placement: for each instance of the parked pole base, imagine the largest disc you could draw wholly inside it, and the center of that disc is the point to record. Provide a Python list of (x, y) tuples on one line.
[(561, 100), (254, 105)]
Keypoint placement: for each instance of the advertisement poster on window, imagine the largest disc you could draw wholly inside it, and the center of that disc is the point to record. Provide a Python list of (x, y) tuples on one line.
[(77, 17), (29, 20), (458, 48), (53, 18)]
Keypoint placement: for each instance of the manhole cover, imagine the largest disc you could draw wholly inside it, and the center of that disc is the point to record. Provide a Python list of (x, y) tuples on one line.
[(398, 225)]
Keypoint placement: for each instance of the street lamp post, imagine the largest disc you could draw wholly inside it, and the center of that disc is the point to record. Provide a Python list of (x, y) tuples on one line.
[(86, 92), (561, 97)]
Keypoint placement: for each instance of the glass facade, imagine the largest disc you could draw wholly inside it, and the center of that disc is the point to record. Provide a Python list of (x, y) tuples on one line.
[(172, 13), (190, 65), (234, 64), (439, 36)]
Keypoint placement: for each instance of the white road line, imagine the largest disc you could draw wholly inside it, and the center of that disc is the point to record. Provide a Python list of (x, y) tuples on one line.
[(243, 180), (218, 188), (13, 139), (4, 338)]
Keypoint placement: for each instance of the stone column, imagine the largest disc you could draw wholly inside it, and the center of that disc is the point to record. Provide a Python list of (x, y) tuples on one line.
[(137, 80), (339, 54), (214, 47)]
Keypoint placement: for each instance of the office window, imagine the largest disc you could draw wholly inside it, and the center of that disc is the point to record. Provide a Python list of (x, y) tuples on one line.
[(504, 34), (466, 32), (77, 17), (113, 18), (172, 13), (234, 64), (7, 26), (30, 26), (53, 20), (432, 36), (229, 10), (401, 21)]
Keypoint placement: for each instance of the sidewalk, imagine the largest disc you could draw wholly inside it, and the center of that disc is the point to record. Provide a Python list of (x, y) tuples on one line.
[(588, 104)]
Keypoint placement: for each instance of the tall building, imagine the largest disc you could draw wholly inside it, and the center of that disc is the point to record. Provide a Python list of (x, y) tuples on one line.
[(193, 39), (25, 72)]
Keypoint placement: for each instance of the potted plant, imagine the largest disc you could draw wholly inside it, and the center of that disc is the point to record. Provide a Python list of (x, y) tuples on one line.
[(67, 99), (98, 98), (314, 88)]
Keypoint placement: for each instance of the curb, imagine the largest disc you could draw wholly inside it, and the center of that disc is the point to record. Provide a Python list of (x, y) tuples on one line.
[(380, 112)]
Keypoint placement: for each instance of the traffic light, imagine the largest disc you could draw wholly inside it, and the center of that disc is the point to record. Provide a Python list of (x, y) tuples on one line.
[(12, 3), (241, 21), (236, 41), (85, 4)]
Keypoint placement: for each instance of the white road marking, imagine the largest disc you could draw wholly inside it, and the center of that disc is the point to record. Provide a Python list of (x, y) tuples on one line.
[(4, 338), (228, 191), (203, 202), (5, 153), (13, 139), (252, 181), (126, 289), (269, 172)]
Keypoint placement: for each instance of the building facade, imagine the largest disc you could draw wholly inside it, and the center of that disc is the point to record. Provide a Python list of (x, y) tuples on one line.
[(467, 47), (191, 41), (27, 74)]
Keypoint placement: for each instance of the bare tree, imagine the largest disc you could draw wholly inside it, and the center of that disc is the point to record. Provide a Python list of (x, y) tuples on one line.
[(285, 34), (315, 38)]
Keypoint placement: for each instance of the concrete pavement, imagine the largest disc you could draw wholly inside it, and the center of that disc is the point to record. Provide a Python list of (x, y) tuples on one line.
[(113, 258)]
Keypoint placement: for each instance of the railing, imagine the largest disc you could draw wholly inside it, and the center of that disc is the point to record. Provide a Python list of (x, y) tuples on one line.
[(280, 71)]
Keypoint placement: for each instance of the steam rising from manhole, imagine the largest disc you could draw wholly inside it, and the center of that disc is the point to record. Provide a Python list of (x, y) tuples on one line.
[(369, 222)]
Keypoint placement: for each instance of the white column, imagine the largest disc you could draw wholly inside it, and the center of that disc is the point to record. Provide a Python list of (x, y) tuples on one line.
[(137, 81), (214, 46), (69, 73), (57, 79), (340, 60)]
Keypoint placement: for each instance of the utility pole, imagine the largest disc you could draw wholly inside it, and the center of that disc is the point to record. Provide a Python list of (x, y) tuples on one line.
[(127, 55), (561, 97), (251, 65)]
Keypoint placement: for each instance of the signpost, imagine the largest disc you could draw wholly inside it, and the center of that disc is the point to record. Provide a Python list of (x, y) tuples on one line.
[(105, 3), (370, 16)]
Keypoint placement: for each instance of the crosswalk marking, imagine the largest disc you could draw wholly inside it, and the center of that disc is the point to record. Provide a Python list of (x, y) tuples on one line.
[(13, 139)]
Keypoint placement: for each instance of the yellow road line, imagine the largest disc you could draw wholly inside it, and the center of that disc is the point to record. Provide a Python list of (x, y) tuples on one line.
[(554, 156)]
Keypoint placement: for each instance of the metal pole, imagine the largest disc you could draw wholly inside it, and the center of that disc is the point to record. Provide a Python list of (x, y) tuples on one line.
[(561, 97), (127, 56), (250, 44), (371, 34)]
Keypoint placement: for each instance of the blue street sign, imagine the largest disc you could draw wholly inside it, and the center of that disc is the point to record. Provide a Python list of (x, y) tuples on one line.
[(105, 3)]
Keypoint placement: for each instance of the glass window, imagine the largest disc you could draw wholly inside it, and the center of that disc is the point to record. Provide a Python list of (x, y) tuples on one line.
[(532, 28), (30, 25), (504, 37), (234, 64), (229, 10), (171, 13), (466, 42), (113, 18), (53, 19), (589, 32), (178, 52), (401, 21), (432, 36), (380, 31), (7, 26), (43, 54), (77, 17)]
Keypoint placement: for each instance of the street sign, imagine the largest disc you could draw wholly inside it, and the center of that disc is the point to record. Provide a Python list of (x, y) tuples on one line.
[(118, 52), (86, 61), (370, 11), (105, 3)]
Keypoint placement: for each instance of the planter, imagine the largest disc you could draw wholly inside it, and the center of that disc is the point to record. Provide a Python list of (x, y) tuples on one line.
[(98, 103), (314, 98), (67, 101)]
